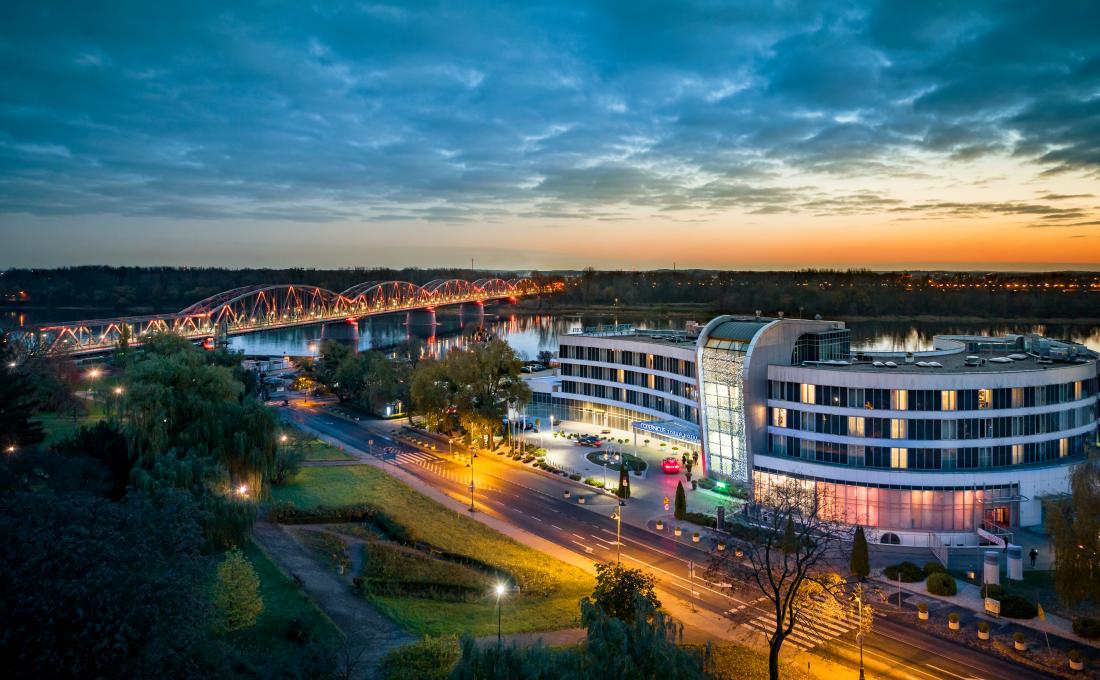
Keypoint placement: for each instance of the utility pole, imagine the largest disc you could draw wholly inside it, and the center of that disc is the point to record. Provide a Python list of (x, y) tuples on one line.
[(859, 591)]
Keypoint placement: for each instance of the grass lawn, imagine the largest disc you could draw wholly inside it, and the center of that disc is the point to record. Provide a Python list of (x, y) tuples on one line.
[(549, 590), (313, 448), (734, 662), (283, 603), (57, 426)]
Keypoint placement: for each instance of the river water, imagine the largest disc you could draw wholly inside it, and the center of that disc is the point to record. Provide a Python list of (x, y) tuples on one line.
[(531, 333)]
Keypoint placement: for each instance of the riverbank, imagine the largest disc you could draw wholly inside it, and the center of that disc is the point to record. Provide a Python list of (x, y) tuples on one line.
[(705, 312)]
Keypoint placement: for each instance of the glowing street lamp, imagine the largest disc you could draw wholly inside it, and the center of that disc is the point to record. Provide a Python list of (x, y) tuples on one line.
[(242, 491), (282, 438)]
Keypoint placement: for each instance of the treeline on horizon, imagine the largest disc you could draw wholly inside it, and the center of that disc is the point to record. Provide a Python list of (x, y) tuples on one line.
[(1047, 295)]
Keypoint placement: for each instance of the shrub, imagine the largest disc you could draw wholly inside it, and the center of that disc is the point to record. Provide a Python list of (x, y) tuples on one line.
[(909, 572), (680, 502), (1087, 627), (983, 626), (953, 617), (700, 518), (288, 513), (592, 481), (993, 590), (934, 568), (940, 583), (575, 477), (428, 659), (1016, 607)]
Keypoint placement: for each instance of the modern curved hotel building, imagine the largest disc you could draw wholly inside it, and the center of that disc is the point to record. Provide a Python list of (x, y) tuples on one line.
[(965, 438)]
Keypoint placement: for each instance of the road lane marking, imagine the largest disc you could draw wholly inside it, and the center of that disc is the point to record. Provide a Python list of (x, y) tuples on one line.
[(944, 670), (586, 548), (557, 527)]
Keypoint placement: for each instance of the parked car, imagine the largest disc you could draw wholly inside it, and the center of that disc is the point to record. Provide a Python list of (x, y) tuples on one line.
[(670, 466)]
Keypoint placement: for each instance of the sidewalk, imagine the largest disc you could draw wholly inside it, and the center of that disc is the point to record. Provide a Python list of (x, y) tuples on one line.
[(969, 597)]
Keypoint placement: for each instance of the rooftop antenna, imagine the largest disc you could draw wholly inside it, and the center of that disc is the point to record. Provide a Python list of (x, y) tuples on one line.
[(471, 264)]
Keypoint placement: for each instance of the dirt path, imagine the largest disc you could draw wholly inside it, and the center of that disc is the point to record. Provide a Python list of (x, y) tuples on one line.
[(367, 631)]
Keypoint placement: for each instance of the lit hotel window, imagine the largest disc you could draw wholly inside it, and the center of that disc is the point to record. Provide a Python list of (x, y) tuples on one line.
[(779, 417), (897, 428), (985, 399), (807, 394), (947, 400), (855, 426), (900, 400), (899, 458), (1063, 447), (1017, 454)]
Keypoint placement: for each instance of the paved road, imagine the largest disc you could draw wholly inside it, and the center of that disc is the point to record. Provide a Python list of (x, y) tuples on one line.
[(534, 502)]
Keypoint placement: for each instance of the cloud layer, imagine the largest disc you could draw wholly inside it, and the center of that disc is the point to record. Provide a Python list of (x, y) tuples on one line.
[(474, 113)]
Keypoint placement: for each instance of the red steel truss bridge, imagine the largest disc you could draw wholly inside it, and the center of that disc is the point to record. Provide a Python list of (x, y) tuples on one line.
[(261, 307)]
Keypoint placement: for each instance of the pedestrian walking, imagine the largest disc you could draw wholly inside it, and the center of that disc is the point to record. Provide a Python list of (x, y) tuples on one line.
[(1033, 554)]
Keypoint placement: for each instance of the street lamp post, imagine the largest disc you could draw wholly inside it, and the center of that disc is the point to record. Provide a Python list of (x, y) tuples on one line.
[(618, 517), (500, 594)]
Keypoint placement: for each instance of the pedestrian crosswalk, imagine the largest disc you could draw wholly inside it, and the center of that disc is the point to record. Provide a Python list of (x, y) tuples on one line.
[(816, 625), (438, 466)]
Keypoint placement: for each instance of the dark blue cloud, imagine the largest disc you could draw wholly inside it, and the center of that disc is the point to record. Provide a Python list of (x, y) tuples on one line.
[(459, 112)]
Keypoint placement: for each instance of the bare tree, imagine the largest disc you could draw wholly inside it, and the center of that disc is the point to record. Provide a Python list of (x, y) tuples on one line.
[(789, 559)]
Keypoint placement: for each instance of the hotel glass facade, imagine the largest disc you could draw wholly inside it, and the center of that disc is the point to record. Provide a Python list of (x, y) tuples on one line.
[(941, 441)]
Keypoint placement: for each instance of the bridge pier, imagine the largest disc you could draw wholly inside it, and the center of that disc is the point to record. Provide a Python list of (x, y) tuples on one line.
[(420, 317), (345, 332)]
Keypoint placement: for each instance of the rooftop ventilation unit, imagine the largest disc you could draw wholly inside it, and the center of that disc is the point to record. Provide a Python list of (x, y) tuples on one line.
[(1000, 360), (909, 357), (922, 364), (877, 364), (972, 360), (935, 364), (891, 364), (1017, 357)]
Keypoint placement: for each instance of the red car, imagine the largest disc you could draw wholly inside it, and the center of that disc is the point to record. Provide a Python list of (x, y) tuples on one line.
[(670, 466)]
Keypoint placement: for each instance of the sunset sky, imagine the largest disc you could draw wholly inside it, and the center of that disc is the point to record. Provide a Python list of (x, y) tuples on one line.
[(553, 135)]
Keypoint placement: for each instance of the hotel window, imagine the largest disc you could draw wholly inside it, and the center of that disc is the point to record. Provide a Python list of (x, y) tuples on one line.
[(1063, 447), (899, 458), (1017, 397), (855, 426), (1017, 454), (807, 394), (1077, 386), (779, 417), (985, 399), (897, 428), (900, 400), (947, 400)]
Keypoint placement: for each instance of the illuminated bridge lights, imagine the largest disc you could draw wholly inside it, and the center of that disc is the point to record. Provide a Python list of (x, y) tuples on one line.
[(253, 308)]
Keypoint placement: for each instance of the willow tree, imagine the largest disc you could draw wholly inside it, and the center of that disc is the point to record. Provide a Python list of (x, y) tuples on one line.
[(1073, 523), (193, 428)]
